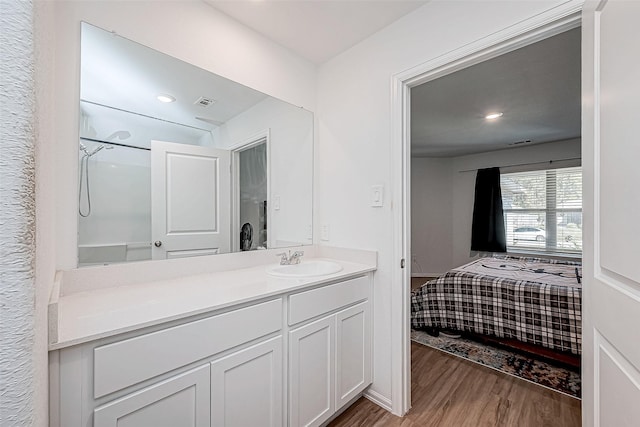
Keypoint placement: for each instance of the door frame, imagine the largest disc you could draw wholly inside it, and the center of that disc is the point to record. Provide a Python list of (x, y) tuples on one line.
[(549, 23), (262, 137)]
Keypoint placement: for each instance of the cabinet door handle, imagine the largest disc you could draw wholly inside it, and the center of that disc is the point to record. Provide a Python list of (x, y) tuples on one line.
[(157, 243)]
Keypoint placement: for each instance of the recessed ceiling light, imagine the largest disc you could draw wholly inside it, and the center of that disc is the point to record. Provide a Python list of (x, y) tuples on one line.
[(493, 116), (165, 98)]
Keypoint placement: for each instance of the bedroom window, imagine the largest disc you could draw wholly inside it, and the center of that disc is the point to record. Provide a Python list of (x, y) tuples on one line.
[(543, 210)]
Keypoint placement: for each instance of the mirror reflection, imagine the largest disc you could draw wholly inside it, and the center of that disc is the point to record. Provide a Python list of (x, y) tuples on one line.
[(175, 161)]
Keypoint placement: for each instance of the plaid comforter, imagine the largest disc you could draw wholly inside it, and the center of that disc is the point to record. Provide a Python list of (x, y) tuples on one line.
[(532, 300)]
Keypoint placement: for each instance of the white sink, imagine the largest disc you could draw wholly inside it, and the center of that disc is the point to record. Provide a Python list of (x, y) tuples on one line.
[(305, 269)]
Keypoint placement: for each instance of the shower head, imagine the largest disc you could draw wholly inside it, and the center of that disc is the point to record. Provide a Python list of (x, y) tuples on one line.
[(120, 134), (88, 153)]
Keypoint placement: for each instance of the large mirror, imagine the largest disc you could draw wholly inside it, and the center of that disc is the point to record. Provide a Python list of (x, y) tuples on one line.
[(175, 161)]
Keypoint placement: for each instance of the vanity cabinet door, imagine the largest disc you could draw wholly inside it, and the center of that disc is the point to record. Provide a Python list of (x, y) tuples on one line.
[(353, 353), (312, 369), (246, 387), (183, 400)]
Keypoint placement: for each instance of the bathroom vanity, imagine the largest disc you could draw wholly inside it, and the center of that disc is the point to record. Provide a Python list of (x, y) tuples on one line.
[(194, 339), (229, 345)]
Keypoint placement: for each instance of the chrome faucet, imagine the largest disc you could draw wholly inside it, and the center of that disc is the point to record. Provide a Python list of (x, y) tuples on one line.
[(290, 258)]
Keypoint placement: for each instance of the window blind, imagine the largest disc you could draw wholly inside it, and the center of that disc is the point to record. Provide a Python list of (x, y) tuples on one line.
[(543, 210)]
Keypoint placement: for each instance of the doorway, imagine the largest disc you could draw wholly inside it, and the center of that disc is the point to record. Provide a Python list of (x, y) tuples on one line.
[(253, 197), (492, 47), (251, 194)]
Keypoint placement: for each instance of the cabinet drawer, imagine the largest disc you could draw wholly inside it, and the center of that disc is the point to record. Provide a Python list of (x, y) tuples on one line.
[(307, 305), (131, 361)]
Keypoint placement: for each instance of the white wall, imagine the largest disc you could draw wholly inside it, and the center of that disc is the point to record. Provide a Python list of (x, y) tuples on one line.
[(441, 234), (431, 216), (354, 93), (291, 163)]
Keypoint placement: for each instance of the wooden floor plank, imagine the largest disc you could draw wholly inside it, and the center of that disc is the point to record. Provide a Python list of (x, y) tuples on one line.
[(449, 391)]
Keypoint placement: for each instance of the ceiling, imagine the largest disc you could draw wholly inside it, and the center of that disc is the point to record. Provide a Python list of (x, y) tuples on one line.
[(537, 88), (316, 30), (127, 76)]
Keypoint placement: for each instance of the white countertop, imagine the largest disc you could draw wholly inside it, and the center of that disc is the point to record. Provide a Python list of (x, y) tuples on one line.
[(98, 313)]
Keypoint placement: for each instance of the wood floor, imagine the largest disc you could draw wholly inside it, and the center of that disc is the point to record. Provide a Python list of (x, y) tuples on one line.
[(450, 391)]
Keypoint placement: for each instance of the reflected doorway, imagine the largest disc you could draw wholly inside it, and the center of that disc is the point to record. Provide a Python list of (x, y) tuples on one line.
[(251, 195)]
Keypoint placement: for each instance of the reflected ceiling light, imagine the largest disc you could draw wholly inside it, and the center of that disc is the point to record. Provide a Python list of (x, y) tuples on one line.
[(165, 98), (493, 116)]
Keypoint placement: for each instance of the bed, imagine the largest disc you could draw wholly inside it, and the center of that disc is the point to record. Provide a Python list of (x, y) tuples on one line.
[(535, 301)]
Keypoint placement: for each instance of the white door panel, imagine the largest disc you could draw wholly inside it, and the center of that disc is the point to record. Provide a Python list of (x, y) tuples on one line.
[(618, 386), (353, 352), (183, 400), (617, 317), (190, 189), (311, 370), (619, 147), (192, 199), (611, 305), (246, 387)]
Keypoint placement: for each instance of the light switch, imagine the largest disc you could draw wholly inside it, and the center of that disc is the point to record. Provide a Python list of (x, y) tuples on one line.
[(377, 196), (276, 203), (324, 232)]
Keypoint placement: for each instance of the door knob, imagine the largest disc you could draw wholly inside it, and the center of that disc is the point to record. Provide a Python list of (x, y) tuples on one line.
[(157, 243)]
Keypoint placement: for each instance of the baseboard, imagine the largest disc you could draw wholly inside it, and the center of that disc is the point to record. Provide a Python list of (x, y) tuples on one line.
[(426, 274), (341, 410), (378, 399)]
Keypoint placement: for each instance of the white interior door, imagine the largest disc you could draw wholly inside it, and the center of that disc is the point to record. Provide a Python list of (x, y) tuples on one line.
[(190, 200), (611, 150)]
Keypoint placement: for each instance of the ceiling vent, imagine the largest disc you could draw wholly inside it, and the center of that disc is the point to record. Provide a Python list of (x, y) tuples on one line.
[(203, 101)]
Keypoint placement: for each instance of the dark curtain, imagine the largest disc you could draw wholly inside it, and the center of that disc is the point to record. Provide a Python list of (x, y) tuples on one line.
[(487, 231)]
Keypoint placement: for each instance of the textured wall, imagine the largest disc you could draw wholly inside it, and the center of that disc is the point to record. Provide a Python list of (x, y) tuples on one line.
[(17, 213)]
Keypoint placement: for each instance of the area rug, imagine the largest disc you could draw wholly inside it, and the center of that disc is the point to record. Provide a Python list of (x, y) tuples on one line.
[(542, 373)]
